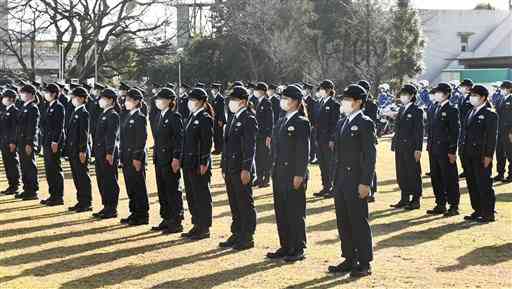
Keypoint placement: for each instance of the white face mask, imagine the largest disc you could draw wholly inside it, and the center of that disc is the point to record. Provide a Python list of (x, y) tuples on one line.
[(6, 102), (76, 102), (234, 106), (284, 104), (475, 101), (162, 104), (192, 106), (322, 93), (103, 103), (405, 99), (129, 105), (347, 106), (439, 97)]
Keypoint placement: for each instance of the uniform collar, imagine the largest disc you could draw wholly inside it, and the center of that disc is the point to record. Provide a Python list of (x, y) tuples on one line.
[(132, 112), (289, 115), (79, 107), (239, 112), (28, 102), (198, 111), (442, 104), (353, 115), (162, 114), (9, 107)]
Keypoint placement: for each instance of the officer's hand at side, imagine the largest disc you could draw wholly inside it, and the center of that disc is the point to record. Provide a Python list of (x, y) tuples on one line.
[(487, 161), (28, 150), (297, 182), (417, 156), (364, 191), (268, 141), (137, 165), (452, 158), (55, 147), (12, 147), (175, 165), (82, 157), (510, 137), (331, 145), (110, 159), (245, 176), (220, 124), (203, 169)]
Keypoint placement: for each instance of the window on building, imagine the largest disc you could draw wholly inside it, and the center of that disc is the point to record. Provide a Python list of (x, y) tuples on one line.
[(464, 40)]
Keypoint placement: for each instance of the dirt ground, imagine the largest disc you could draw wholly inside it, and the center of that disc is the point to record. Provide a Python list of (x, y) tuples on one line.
[(44, 247)]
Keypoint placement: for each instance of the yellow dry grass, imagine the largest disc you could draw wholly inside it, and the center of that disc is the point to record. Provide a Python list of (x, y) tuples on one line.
[(50, 248)]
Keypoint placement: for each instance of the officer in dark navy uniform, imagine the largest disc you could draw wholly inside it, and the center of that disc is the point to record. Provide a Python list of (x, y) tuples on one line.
[(28, 142), (407, 144), (220, 117), (252, 98), (106, 151), (290, 175), (311, 108), (355, 157), (481, 128), (196, 163), (8, 144), (182, 102), (53, 143), (504, 146), (443, 136), (274, 99), (237, 169), (92, 107), (265, 119), (78, 150), (370, 110), (133, 137), (326, 126), (167, 159), (464, 106)]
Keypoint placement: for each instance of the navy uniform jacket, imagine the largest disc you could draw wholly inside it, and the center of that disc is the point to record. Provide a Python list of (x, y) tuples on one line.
[(430, 115), (77, 133), (265, 117), (504, 110), (28, 123), (133, 136), (254, 100), (290, 147), (276, 108), (94, 111), (239, 144), (327, 120), (311, 106), (198, 140), (444, 130), (370, 110), (168, 138), (464, 107), (54, 124), (8, 123), (408, 129), (107, 133), (182, 107), (355, 154), (481, 131), (219, 106)]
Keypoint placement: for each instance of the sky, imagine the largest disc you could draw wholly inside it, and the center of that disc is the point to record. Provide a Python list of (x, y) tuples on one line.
[(457, 4)]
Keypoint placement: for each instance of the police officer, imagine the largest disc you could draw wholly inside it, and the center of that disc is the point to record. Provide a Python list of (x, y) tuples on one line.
[(133, 134), (265, 118), (237, 169), (252, 98), (28, 142), (479, 145), (53, 143), (407, 144), (8, 124), (106, 151), (220, 117), (290, 145), (504, 146), (355, 156), (326, 129), (78, 149), (274, 99), (370, 110), (182, 105), (166, 156), (311, 108), (443, 137), (464, 106), (196, 162)]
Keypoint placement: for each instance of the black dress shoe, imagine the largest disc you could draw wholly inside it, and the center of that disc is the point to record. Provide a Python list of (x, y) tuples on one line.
[(452, 212), (126, 220), (19, 195), (98, 214), (190, 233), (83, 208), (437, 210), (200, 234), (320, 194), (108, 214), (160, 226), (280, 253), (401, 204), (256, 183), (138, 221), (173, 228), (297, 256), (361, 271), (371, 199), (508, 179), (54, 202), (264, 185), (74, 207), (428, 174), (29, 197), (462, 175), (43, 202), (10, 192), (499, 178), (344, 267), (414, 205), (486, 220), (244, 245), (230, 242), (473, 217), (329, 194)]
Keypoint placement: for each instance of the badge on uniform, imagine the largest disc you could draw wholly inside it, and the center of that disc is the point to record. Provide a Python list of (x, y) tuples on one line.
[(25, 110), (76, 116), (104, 118), (409, 115), (354, 128), (196, 121), (481, 117), (166, 121), (132, 121), (51, 110), (327, 108), (238, 124), (443, 114), (8, 114), (291, 128)]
